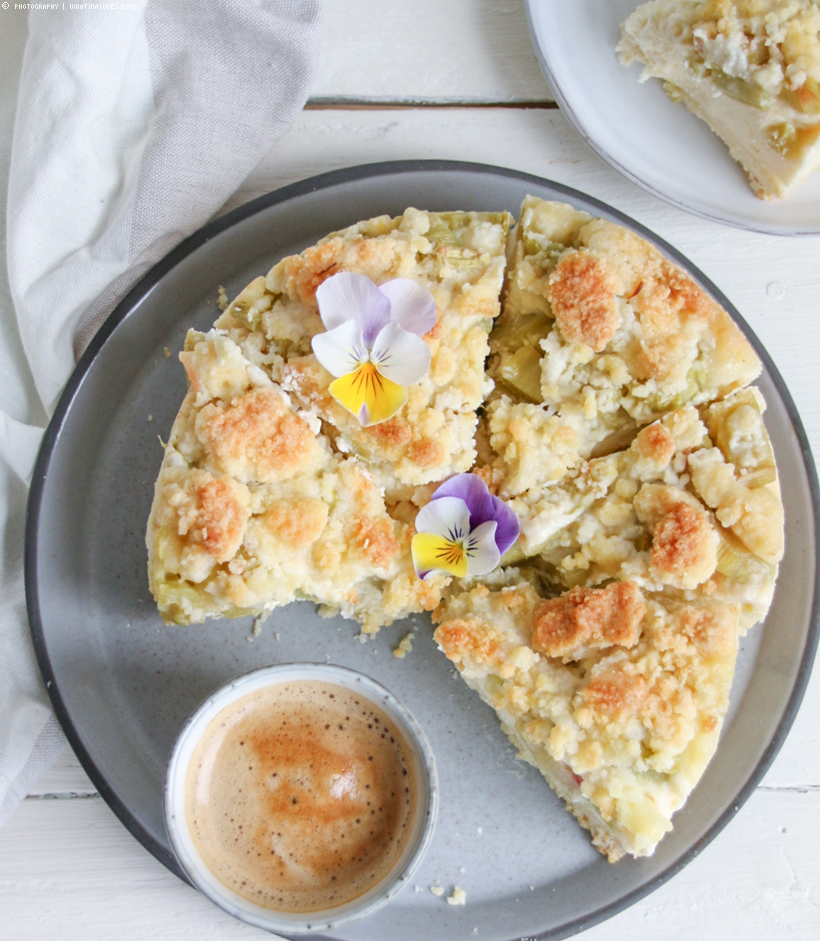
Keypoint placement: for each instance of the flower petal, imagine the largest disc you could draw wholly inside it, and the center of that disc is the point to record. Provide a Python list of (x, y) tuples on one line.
[(348, 296), (399, 355), (448, 517), (433, 554), (473, 491), (368, 395), (481, 551), (509, 528), (411, 305), (341, 350)]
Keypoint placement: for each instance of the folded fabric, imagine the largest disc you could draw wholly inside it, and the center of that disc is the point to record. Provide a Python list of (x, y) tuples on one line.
[(133, 127)]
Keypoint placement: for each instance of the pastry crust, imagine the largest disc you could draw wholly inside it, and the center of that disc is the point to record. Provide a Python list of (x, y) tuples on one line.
[(617, 423)]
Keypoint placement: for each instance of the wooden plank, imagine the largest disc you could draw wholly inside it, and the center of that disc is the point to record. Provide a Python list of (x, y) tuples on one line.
[(458, 50), (69, 870)]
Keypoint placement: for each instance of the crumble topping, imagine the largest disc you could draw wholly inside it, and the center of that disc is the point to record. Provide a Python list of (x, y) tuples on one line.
[(586, 618), (582, 295), (774, 43), (205, 518), (258, 438)]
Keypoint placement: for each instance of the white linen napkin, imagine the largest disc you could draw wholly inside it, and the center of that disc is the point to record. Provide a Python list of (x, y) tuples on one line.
[(134, 124)]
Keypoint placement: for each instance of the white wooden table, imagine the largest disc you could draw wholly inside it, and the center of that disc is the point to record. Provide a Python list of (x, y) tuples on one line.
[(457, 79)]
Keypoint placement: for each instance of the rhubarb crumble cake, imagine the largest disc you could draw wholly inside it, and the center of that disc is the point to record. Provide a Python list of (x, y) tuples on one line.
[(598, 397), (749, 68)]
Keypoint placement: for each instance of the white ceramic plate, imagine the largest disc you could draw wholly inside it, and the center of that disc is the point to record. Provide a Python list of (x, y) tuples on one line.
[(123, 684), (637, 129)]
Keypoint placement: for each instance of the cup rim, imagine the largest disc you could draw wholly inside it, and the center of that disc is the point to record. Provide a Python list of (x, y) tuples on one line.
[(195, 868)]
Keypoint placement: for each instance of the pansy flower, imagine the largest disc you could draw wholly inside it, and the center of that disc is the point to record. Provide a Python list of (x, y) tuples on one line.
[(463, 530), (373, 345)]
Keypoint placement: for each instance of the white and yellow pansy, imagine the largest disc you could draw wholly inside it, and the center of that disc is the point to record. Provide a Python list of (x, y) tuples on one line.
[(373, 345)]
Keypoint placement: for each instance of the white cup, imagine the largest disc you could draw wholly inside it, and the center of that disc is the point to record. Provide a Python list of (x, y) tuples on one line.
[(295, 922)]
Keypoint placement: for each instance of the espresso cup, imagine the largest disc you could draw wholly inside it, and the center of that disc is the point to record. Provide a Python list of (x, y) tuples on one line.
[(211, 759)]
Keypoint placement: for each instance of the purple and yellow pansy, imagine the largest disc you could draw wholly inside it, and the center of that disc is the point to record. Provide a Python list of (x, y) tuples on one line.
[(463, 531)]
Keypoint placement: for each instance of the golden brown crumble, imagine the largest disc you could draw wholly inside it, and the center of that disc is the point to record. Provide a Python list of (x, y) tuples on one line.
[(257, 437), (587, 618), (683, 545), (582, 294), (297, 522), (656, 443)]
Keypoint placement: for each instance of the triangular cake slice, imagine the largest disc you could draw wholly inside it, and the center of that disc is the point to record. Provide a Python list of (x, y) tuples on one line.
[(673, 512), (460, 257), (600, 335), (615, 697), (253, 508), (750, 70)]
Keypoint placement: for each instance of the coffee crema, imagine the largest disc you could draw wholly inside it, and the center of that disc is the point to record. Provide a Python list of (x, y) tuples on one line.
[(301, 796)]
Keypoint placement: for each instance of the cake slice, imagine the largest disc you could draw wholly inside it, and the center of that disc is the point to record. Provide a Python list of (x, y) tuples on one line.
[(672, 513), (749, 68), (600, 335), (617, 697), (253, 509), (699, 524), (460, 257)]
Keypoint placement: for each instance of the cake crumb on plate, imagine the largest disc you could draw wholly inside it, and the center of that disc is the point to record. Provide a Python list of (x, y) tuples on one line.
[(405, 646)]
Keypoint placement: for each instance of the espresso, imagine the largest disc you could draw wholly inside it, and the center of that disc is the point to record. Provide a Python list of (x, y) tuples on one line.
[(301, 796)]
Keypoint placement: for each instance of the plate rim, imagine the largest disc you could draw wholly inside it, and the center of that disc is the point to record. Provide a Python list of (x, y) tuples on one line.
[(736, 222), (142, 289)]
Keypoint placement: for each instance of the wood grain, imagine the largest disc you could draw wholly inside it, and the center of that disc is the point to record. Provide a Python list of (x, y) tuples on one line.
[(68, 869), (429, 51)]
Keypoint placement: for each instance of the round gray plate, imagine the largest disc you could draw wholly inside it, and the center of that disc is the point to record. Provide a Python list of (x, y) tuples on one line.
[(123, 684)]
